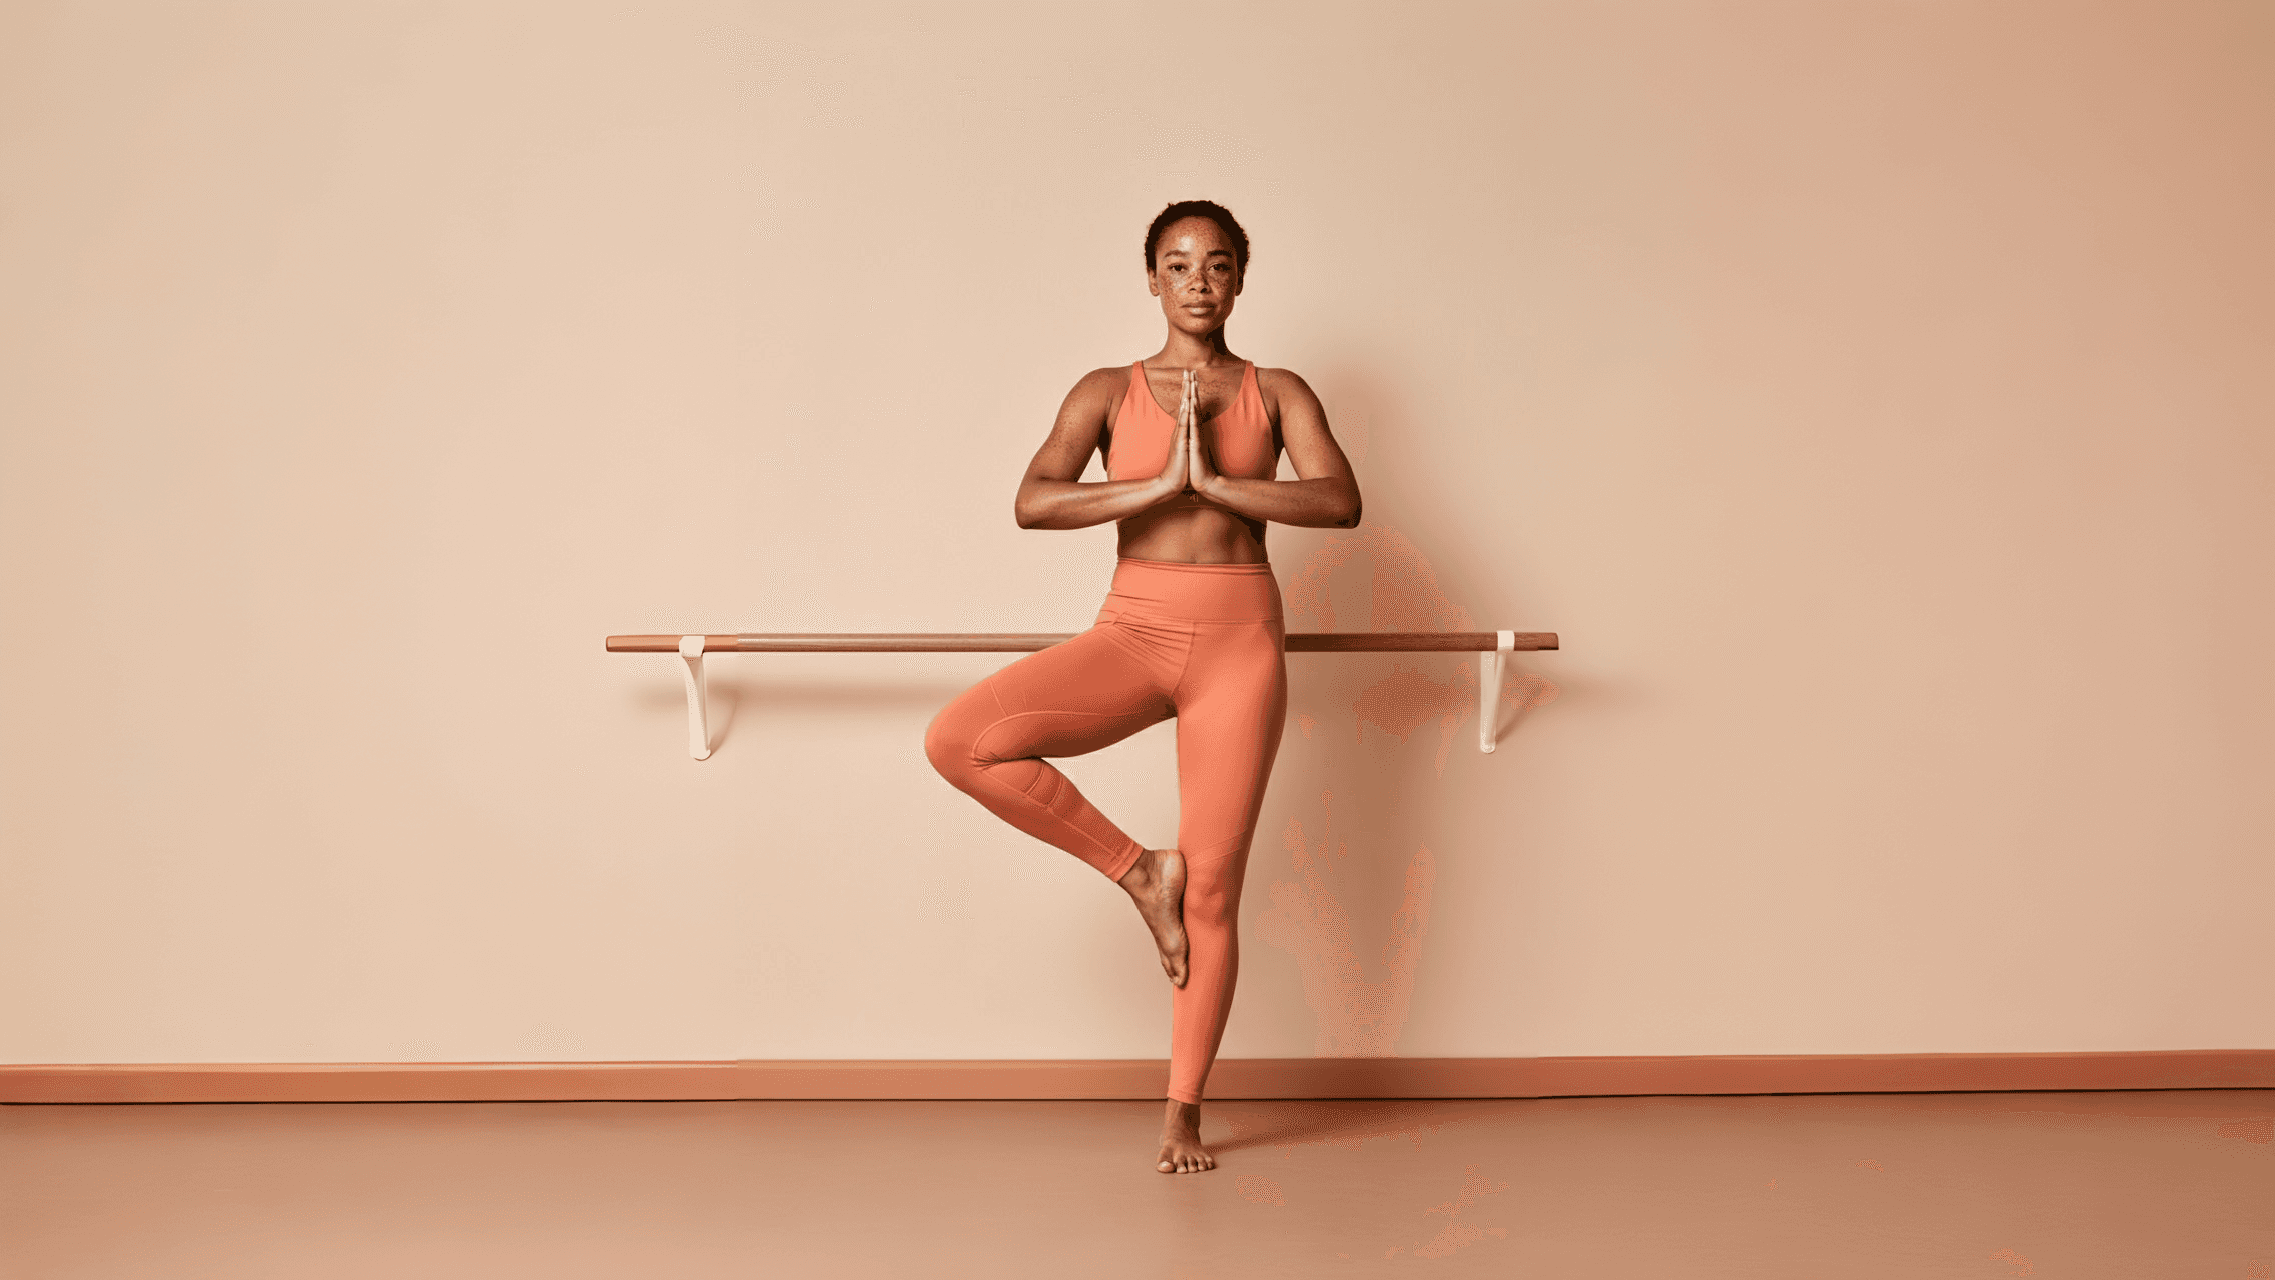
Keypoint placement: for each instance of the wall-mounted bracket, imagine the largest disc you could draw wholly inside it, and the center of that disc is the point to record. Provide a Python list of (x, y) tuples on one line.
[(1489, 687), (698, 698)]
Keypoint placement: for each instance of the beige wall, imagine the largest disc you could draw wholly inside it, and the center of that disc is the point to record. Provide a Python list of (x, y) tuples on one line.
[(1873, 395)]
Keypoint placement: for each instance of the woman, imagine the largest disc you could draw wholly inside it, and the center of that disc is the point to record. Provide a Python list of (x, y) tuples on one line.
[(1191, 627)]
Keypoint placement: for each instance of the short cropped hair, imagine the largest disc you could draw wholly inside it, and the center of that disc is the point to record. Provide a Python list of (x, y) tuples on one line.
[(1209, 209)]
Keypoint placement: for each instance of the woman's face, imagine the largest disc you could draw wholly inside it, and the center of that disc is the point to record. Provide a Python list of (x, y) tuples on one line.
[(1194, 276)]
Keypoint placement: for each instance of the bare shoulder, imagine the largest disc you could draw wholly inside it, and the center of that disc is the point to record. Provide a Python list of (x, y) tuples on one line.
[(1095, 395), (1085, 421), (1098, 388), (1284, 389)]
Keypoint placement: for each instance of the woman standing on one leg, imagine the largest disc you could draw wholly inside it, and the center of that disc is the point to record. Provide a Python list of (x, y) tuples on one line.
[(1191, 627)]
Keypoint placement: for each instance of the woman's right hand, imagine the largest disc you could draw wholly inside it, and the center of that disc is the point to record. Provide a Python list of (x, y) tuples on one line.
[(1173, 476)]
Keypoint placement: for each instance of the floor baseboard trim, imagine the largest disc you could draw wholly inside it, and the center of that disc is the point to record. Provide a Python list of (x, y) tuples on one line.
[(1133, 1078)]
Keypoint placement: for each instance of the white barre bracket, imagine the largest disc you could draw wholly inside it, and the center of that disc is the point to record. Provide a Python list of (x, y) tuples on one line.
[(698, 698), (1489, 687)]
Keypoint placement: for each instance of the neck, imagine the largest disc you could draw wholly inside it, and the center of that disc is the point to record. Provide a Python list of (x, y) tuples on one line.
[(1184, 351)]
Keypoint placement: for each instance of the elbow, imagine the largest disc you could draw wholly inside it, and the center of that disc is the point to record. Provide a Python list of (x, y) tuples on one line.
[(1349, 517)]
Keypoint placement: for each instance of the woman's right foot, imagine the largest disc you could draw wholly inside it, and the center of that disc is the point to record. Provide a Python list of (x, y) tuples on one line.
[(1156, 882)]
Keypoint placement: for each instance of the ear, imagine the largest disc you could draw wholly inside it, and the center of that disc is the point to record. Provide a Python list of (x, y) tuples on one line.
[(1152, 283)]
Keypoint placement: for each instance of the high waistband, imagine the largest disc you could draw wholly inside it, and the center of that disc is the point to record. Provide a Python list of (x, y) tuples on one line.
[(1195, 592)]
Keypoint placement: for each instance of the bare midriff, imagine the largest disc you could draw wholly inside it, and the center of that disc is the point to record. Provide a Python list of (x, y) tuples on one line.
[(1191, 529)]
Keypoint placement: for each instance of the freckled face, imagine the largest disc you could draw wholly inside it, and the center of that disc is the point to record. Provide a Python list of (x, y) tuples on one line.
[(1194, 276)]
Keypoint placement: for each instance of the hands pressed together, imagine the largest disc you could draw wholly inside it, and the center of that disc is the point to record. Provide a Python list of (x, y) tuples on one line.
[(1189, 474)]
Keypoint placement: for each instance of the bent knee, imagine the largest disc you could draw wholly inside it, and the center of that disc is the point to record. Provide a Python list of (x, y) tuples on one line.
[(948, 744), (952, 740)]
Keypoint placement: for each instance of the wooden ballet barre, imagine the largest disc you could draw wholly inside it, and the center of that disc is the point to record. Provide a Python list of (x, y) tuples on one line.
[(1017, 641), (1488, 645)]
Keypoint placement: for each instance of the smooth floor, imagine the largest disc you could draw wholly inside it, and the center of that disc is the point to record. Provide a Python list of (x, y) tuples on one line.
[(2119, 1185)]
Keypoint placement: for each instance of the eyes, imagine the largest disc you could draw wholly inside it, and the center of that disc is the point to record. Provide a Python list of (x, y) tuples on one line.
[(1220, 268)]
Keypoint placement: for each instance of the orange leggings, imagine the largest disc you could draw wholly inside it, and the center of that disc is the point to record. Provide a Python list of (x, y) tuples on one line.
[(1205, 643)]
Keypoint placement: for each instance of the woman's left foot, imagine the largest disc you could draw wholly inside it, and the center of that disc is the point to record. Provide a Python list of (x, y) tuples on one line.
[(1181, 1149)]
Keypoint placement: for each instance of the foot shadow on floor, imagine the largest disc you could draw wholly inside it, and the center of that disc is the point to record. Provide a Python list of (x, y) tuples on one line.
[(1342, 1122)]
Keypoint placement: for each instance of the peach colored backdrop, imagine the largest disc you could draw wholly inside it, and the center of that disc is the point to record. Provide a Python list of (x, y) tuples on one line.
[(1875, 396)]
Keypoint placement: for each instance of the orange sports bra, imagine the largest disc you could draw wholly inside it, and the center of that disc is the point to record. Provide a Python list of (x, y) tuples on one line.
[(1241, 445)]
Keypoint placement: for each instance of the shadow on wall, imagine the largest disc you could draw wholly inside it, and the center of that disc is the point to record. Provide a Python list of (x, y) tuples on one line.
[(784, 692), (1353, 771)]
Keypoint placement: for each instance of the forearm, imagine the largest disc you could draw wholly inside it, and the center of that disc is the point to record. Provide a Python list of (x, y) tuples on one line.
[(1321, 502), (1075, 504)]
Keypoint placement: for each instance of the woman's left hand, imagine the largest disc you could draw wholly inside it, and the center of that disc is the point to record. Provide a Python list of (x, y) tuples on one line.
[(1200, 473)]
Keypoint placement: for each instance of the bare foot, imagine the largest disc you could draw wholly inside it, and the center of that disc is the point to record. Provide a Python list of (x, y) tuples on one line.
[(1181, 1149), (1156, 882)]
